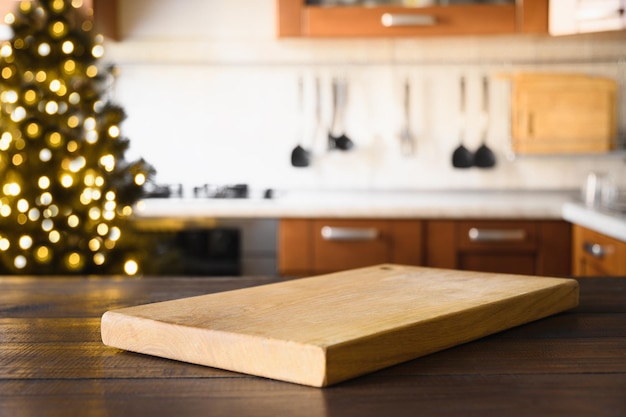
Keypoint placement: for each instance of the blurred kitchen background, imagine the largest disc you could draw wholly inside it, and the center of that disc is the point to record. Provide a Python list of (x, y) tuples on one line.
[(212, 97)]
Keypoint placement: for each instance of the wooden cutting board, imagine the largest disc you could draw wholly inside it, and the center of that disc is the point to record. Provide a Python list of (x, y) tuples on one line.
[(563, 113), (322, 330)]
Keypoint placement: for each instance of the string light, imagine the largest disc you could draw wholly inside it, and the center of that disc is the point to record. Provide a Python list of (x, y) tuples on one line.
[(68, 47), (131, 267), (43, 49)]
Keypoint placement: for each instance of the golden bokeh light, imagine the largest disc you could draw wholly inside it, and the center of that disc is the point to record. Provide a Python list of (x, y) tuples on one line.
[(94, 213), (67, 47), (22, 205), (73, 220), (74, 261), (58, 5), (58, 29), (9, 19), (55, 85), (102, 229), (55, 139), (32, 130), (140, 179), (99, 259), (44, 49), (70, 65), (47, 225), (108, 162), (91, 71), (66, 180), (11, 189), (52, 107), (20, 262), (54, 236), (45, 155), (97, 51), (95, 244), (7, 73), (41, 76), (25, 242), (43, 254), (33, 214), (17, 159), (131, 267), (73, 121), (30, 97), (114, 131)]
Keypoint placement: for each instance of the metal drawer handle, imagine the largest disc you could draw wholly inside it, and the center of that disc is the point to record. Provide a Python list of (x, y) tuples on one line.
[(348, 233), (496, 235), (594, 249), (398, 19)]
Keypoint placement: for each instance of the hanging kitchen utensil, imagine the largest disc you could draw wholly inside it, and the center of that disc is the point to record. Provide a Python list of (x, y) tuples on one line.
[(407, 140), (340, 98), (300, 157), (462, 157), (484, 156)]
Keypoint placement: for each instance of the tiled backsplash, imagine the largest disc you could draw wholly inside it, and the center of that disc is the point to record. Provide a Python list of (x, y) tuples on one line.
[(212, 97)]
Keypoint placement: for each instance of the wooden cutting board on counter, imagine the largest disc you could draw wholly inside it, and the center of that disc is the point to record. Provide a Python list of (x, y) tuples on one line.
[(322, 330)]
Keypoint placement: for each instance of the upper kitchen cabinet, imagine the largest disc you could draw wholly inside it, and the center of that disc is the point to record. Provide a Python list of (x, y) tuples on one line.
[(569, 17), (300, 18), (104, 15)]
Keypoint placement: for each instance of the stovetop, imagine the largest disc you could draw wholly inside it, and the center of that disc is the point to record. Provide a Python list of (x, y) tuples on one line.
[(203, 191)]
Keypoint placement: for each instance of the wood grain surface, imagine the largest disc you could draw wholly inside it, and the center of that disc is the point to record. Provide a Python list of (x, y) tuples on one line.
[(53, 363), (326, 329)]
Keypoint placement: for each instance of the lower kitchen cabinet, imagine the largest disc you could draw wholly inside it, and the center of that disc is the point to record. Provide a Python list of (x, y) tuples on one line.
[(530, 247), (596, 254), (316, 246)]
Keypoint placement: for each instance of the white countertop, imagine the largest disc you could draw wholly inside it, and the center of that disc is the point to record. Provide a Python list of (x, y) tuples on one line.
[(610, 223), (368, 204), (392, 204)]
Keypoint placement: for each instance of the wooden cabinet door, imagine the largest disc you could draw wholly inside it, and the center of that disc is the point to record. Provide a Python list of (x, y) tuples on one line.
[(596, 254), (296, 19)]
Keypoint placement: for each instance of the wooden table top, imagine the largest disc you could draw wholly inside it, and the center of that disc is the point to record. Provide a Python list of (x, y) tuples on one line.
[(53, 363)]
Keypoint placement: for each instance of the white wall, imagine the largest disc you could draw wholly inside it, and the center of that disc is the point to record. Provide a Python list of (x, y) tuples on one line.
[(211, 97)]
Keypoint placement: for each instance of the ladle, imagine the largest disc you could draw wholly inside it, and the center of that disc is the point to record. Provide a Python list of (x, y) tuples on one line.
[(462, 157), (300, 157), (340, 96), (407, 140), (484, 156)]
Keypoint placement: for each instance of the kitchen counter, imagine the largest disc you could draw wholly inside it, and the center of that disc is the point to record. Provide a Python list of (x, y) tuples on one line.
[(368, 204), (53, 363), (609, 223)]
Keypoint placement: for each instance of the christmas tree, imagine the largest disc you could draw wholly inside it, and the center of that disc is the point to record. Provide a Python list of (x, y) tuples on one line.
[(66, 191)]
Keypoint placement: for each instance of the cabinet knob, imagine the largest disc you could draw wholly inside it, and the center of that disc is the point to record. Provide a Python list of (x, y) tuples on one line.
[(402, 19), (349, 233)]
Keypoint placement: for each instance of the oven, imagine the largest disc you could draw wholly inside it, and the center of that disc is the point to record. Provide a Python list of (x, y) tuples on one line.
[(225, 247)]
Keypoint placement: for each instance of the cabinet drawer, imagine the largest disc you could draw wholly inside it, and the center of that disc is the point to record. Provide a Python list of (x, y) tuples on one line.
[(496, 236), (345, 244), (315, 246), (423, 21), (596, 254), (299, 18)]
